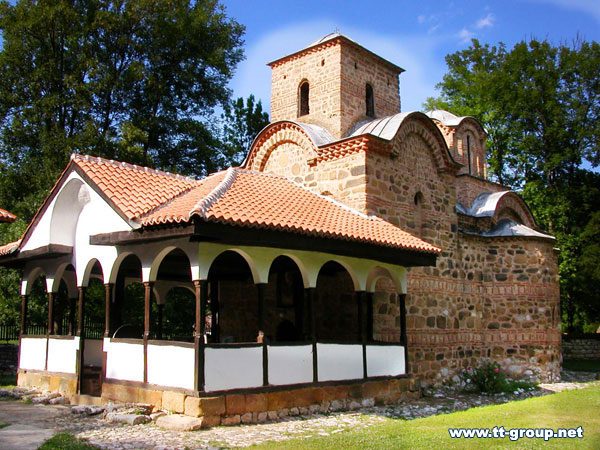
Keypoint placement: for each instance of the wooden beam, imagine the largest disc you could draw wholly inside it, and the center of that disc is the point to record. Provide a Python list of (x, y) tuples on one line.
[(147, 299), (142, 235)]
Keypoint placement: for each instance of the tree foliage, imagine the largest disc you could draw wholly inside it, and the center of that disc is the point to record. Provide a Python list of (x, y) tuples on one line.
[(540, 105), (133, 80)]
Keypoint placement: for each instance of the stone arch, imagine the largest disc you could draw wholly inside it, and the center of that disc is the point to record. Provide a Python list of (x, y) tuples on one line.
[(274, 135), (162, 254), (29, 278), (114, 271), (512, 206), (65, 214), (299, 264), (347, 267), (422, 126), (70, 280), (254, 270), (377, 273), (87, 273)]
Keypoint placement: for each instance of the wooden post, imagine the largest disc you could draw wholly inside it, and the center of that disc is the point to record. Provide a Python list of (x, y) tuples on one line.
[(147, 299), (362, 329), (24, 301), (403, 338), (81, 333), (50, 313), (108, 288), (72, 315), (369, 316), (310, 297), (261, 328), (201, 293)]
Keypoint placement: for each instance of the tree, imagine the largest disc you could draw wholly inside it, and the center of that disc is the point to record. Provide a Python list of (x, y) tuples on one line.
[(242, 123), (131, 79), (541, 105)]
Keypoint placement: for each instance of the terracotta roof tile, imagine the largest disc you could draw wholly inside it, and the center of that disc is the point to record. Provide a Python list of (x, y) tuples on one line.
[(259, 200), (9, 248), (6, 216), (134, 190)]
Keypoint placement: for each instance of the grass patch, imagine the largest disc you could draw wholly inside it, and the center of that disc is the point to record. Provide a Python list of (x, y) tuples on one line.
[(582, 365), (66, 441), (2, 425), (569, 409)]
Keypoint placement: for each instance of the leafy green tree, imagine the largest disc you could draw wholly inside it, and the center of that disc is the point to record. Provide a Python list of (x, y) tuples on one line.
[(135, 80), (242, 123), (540, 104)]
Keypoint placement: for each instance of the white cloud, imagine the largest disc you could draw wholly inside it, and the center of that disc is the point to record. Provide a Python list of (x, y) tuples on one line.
[(421, 18), (415, 53), (465, 35), (484, 22)]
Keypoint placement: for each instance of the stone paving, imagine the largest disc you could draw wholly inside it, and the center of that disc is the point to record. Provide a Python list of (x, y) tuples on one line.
[(99, 431)]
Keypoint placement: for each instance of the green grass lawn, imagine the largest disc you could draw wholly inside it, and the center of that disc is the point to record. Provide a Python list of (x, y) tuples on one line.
[(65, 441), (568, 409)]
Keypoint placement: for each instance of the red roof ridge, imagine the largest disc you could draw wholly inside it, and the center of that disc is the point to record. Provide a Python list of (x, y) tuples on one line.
[(125, 165), (203, 206)]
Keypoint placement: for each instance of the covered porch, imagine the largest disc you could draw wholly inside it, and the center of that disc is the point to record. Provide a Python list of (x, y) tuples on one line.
[(210, 318)]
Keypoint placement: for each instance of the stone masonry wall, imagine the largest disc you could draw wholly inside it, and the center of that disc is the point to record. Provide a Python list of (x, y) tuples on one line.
[(581, 347), (469, 187), (321, 68), (485, 298), (337, 74), (358, 69)]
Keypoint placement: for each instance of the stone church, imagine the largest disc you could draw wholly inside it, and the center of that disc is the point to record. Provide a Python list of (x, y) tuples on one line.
[(358, 253), (337, 129)]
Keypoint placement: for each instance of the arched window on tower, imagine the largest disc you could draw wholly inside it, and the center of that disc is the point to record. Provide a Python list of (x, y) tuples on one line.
[(303, 103), (370, 100)]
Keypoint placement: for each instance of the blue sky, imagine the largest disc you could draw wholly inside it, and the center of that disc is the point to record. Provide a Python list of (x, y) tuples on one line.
[(416, 35)]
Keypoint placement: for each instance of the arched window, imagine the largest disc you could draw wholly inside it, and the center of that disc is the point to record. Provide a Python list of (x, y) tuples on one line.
[(370, 101), (304, 95), (419, 213)]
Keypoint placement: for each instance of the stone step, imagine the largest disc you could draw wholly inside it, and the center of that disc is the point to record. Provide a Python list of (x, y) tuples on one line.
[(88, 400)]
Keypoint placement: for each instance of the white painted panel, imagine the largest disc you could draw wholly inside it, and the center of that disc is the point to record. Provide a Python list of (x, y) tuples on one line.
[(62, 355), (339, 361), (171, 365), (290, 365), (33, 354), (92, 352), (125, 361), (385, 360), (231, 368)]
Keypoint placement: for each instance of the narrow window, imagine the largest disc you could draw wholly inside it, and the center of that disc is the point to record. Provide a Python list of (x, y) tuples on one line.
[(469, 154), (419, 213), (370, 101), (304, 96)]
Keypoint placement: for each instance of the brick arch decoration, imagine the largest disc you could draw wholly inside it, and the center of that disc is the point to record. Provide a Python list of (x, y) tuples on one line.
[(512, 206), (273, 136), (422, 126), (472, 126)]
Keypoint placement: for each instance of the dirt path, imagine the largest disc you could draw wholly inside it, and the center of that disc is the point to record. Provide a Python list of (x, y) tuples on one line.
[(29, 425)]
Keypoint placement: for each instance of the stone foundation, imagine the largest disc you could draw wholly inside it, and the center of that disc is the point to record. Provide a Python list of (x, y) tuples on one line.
[(255, 407), (66, 384)]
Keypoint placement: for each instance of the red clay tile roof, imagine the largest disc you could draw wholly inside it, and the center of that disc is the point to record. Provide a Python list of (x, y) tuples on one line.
[(258, 200), (134, 190), (6, 216), (237, 197), (9, 248)]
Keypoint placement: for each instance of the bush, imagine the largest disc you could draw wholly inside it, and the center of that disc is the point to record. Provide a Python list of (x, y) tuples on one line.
[(491, 379), (488, 377)]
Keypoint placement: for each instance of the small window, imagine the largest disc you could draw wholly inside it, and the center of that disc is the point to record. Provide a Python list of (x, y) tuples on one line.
[(370, 101), (303, 109)]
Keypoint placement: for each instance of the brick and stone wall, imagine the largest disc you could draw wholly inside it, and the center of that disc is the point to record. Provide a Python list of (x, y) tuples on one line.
[(581, 347)]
